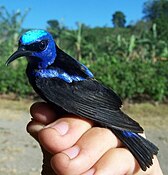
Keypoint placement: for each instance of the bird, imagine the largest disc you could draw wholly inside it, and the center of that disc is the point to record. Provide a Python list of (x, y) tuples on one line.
[(62, 80)]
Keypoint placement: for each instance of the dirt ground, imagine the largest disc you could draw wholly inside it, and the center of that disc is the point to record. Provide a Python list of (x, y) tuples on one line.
[(20, 154)]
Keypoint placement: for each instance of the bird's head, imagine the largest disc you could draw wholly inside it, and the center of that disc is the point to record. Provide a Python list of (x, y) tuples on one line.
[(38, 47)]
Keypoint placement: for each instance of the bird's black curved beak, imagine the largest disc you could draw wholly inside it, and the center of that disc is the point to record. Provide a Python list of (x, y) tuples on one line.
[(19, 53)]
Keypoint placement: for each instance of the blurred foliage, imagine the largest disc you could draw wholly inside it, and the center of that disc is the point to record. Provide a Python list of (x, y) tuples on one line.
[(12, 80), (133, 79), (132, 60), (56, 29), (156, 11)]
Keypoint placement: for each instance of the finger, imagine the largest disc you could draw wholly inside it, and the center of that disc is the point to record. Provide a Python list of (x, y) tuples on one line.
[(33, 128), (86, 152), (63, 133), (115, 161), (43, 112), (118, 161)]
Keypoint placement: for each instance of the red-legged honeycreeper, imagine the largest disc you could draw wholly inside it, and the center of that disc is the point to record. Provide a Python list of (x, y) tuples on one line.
[(63, 81)]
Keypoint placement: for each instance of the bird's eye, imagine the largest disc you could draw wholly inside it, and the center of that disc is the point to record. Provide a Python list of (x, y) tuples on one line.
[(43, 45), (37, 46)]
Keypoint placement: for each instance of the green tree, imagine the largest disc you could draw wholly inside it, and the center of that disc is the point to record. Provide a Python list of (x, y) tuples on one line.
[(10, 27), (118, 19), (10, 30), (75, 39), (56, 29), (156, 11)]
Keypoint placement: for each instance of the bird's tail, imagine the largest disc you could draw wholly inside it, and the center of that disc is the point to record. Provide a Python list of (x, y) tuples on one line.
[(142, 149)]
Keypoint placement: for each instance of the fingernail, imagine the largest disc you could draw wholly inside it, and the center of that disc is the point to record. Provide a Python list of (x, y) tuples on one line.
[(61, 127), (90, 172), (72, 152)]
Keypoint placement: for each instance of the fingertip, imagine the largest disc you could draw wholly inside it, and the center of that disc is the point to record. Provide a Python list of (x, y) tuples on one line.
[(60, 163), (48, 139), (33, 128), (35, 106), (43, 112)]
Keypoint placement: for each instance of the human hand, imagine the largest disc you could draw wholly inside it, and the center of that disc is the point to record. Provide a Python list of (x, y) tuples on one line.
[(74, 146)]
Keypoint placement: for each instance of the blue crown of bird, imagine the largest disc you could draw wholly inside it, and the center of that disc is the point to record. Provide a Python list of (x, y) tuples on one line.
[(61, 80)]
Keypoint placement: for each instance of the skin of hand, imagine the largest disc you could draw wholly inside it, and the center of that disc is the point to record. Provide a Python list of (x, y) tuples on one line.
[(74, 146)]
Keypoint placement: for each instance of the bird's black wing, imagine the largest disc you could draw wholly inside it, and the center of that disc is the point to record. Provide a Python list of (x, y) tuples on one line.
[(88, 99), (68, 64)]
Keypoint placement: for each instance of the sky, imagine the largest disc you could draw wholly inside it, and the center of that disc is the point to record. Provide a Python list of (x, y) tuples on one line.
[(90, 12)]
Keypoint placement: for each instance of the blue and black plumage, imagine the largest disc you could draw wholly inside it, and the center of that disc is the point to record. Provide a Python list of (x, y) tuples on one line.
[(63, 81)]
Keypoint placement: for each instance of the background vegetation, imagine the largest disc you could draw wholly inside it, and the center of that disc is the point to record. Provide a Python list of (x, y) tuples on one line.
[(132, 60)]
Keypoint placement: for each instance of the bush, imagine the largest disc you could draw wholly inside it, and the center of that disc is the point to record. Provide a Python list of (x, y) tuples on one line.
[(13, 79), (132, 79)]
